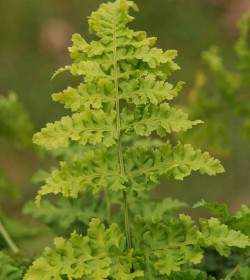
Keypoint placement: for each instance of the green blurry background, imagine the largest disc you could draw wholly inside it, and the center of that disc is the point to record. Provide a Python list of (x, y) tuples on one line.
[(34, 36)]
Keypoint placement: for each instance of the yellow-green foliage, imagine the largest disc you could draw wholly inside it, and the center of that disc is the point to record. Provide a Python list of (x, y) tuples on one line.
[(124, 95), (124, 92)]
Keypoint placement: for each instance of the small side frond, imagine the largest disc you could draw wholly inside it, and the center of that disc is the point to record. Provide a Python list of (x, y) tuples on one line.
[(214, 208), (147, 90), (163, 119), (87, 95), (92, 170), (90, 126), (221, 237), (146, 165)]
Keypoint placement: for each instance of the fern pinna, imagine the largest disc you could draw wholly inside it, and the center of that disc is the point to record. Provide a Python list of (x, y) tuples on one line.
[(124, 95)]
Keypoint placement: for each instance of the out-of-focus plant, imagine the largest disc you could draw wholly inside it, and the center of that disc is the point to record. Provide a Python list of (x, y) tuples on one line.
[(15, 124), (16, 128), (221, 94)]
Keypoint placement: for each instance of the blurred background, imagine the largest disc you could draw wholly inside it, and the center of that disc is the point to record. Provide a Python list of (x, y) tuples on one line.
[(34, 36)]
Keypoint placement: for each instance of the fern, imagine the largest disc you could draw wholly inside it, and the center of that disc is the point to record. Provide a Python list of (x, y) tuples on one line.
[(122, 101), (238, 222)]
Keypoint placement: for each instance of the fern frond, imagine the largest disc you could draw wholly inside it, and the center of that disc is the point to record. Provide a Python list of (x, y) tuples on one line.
[(91, 170), (163, 119), (90, 126), (132, 50), (214, 208), (100, 254), (163, 249), (160, 250), (121, 68), (110, 16), (221, 237), (99, 168), (87, 95), (238, 221), (148, 90), (147, 165)]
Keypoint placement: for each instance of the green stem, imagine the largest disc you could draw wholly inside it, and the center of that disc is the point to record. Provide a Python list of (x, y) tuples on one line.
[(108, 206), (118, 127), (236, 269), (8, 239), (126, 219)]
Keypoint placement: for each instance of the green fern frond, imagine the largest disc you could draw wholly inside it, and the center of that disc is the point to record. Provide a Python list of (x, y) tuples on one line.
[(160, 250), (96, 169), (214, 208), (100, 254), (163, 119), (90, 126), (123, 95), (238, 221), (148, 90), (87, 95), (91, 170), (146, 165), (165, 248), (221, 237)]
